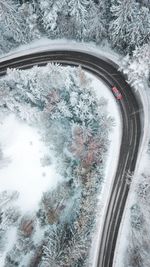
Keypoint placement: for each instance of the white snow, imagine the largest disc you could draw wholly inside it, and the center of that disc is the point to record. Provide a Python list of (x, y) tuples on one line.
[(45, 44), (22, 147)]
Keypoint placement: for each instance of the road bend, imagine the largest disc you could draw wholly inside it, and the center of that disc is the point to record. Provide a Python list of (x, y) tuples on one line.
[(131, 132)]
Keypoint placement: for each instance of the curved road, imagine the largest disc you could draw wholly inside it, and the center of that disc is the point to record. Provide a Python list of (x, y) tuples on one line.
[(107, 71)]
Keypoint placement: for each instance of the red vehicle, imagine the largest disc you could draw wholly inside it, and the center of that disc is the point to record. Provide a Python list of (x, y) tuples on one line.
[(116, 92)]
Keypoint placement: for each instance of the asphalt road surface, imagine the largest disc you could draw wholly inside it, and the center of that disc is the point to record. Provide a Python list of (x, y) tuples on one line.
[(128, 106)]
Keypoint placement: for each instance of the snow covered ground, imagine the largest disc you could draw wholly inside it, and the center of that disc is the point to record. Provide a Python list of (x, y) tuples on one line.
[(23, 171)]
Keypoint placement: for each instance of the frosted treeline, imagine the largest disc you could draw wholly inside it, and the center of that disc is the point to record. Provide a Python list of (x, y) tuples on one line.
[(75, 125), (125, 23)]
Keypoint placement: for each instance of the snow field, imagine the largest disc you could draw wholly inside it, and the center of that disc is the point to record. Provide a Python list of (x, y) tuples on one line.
[(23, 148)]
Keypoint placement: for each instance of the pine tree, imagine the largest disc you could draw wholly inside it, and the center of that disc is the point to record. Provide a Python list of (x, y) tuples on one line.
[(49, 12), (28, 12), (137, 67), (130, 25), (97, 21), (12, 28), (78, 10)]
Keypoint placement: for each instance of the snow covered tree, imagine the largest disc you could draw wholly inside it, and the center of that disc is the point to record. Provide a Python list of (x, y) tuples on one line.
[(140, 32), (74, 18), (9, 216), (13, 258), (2, 240), (12, 28), (78, 10), (136, 217), (97, 21), (28, 12), (65, 18), (49, 14), (65, 246), (137, 67), (145, 3), (53, 204), (130, 25), (137, 252), (7, 197)]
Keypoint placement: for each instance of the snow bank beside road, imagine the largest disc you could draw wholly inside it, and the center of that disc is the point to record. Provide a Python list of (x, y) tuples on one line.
[(45, 44), (112, 161)]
